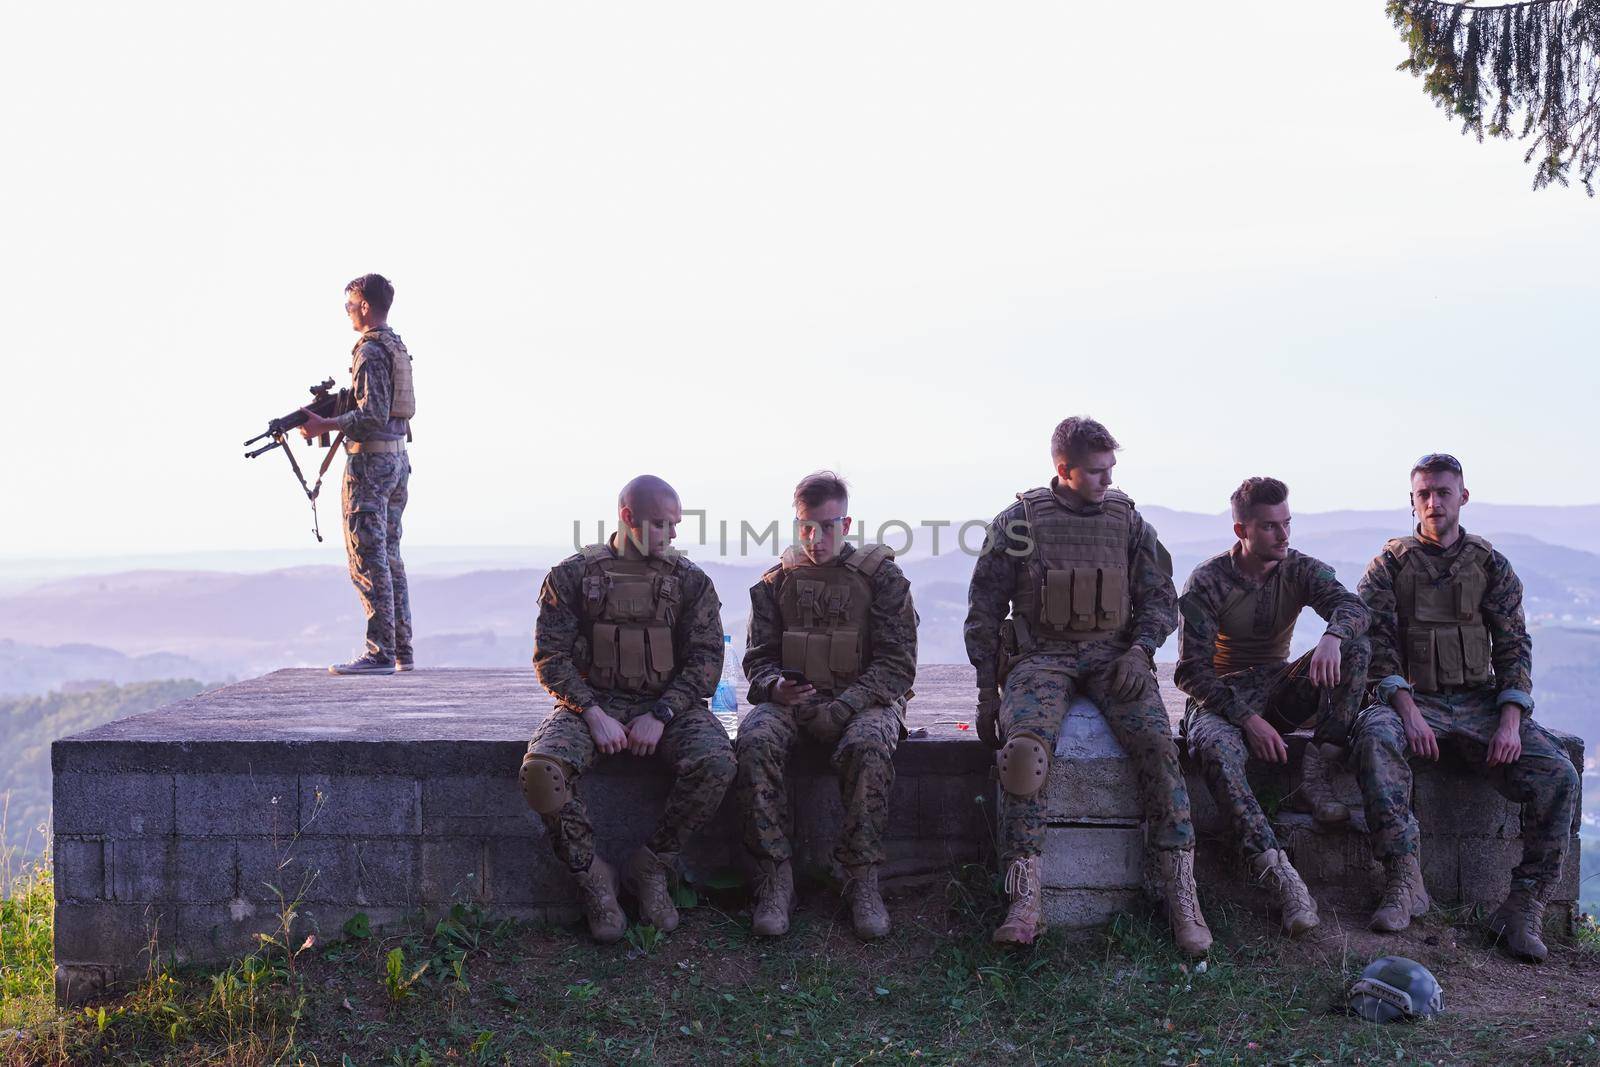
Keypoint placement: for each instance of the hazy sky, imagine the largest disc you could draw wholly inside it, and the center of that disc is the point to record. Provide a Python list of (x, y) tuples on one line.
[(731, 243)]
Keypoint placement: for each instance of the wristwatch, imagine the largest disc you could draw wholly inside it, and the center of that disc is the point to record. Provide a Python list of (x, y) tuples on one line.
[(662, 711)]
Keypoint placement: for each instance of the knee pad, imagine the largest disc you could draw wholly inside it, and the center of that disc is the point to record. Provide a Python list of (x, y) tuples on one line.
[(544, 784), (1024, 763)]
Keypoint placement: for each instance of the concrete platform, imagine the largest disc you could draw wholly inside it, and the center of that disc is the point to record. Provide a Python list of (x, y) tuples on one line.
[(187, 828)]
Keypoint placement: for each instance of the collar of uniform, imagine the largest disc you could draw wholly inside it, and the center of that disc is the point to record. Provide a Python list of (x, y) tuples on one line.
[(795, 556), (622, 546), (1070, 500), (1236, 553), (1434, 548)]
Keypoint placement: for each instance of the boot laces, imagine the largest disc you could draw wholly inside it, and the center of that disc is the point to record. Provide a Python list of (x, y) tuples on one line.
[(1291, 885), (1019, 885), (1181, 891)]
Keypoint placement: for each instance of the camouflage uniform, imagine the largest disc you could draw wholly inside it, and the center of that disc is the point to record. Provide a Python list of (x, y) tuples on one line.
[(1044, 681), (863, 757), (1464, 718), (1221, 699), (373, 497), (694, 745)]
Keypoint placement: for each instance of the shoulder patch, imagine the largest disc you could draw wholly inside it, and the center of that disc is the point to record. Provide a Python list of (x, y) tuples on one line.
[(1399, 546), (594, 553), (1480, 542)]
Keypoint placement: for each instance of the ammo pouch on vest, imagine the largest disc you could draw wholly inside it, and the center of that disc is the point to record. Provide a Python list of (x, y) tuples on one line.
[(632, 605), (1445, 641), (1014, 642), (826, 613), (1087, 600)]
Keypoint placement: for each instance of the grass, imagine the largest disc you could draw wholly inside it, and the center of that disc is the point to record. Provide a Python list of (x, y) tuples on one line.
[(468, 989)]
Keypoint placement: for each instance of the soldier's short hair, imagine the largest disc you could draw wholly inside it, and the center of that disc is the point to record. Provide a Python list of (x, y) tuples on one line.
[(1077, 436), (818, 487), (376, 290), (1437, 463), (1256, 492)]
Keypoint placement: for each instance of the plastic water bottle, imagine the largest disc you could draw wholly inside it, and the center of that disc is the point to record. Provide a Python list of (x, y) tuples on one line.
[(725, 702)]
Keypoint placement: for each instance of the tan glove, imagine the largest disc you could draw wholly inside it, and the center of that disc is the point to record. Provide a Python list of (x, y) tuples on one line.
[(1130, 673), (824, 720), (989, 717)]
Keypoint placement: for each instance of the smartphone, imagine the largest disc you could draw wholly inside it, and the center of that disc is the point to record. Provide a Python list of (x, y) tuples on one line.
[(793, 676)]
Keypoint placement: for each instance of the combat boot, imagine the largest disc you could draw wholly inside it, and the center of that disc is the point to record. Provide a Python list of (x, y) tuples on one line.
[(648, 873), (1405, 897), (1189, 929), (598, 888), (1025, 919), (1519, 922), (1297, 910), (774, 899), (867, 913), (1316, 778)]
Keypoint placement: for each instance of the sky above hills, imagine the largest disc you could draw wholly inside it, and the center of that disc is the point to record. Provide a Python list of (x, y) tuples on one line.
[(731, 243)]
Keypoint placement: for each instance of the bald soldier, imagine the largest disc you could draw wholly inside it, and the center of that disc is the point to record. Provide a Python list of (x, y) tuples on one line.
[(1089, 592), (629, 643), (831, 654), (1452, 664)]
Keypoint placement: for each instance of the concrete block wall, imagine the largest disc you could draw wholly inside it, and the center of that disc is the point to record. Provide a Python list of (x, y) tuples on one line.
[(180, 832)]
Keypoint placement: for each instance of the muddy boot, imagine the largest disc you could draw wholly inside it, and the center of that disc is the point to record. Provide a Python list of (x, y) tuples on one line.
[(1519, 922), (1025, 919), (1297, 910), (598, 888), (648, 874), (1316, 778), (1404, 896), (867, 913), (774, 899), (1189, 929)]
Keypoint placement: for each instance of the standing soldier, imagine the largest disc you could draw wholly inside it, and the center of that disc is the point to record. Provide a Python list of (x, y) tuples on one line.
[(1454, 669), (1238, 612), (375, 428), (831, 654), (629, 643), (1089, 591)]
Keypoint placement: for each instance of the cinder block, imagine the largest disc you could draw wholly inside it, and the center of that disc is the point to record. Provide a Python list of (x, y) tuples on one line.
[(1441, 869), (526, 872), (955, 805), (903, 800), (1568, 886), (190, 870), (80, 870), (1486, 864), (1078, 857), (453, 869), (80, 982), (242, 805), (476, 806), (1093, 789), (218, 931), (1450, 800), (1078, 909), (120, 935), (360, 805), (113, 804)]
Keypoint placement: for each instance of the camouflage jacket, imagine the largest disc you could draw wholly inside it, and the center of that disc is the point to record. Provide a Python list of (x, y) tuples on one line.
[(1310, 582), (893, 639), (696, 638), (994, 579), (1511, 647), (371, 394)]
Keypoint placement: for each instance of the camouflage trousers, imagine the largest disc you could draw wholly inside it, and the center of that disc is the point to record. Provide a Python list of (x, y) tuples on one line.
[(1037, 695), (1543, 781), (863, 758), (1284, 696), (694, 746), (373, 498)]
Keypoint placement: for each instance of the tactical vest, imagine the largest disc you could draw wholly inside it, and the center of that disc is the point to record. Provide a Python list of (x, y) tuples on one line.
[(1240, 645), (1443, 640), (826, 614), (1074, 584), (403, 398), (629, 607)]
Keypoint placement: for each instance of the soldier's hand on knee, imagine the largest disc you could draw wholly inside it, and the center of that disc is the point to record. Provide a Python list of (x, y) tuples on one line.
[(1266, 744), (1420, 737), (1130, 673), (1325, 662), (609, 736), (989, 717), (644, 733), (1506, 744)]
